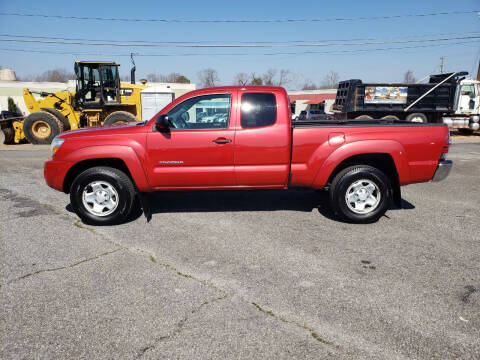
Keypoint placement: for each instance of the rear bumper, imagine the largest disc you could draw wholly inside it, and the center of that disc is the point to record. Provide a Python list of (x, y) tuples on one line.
[(443, 169), (54, 173)]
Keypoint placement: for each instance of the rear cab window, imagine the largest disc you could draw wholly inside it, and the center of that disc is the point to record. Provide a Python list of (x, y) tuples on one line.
[(258, 110)]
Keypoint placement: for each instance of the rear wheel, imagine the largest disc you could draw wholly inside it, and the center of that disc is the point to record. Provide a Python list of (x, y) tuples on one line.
[(41, 127), (7, 135), (360, 194), (102, 196), (417, 117), (119, 118)]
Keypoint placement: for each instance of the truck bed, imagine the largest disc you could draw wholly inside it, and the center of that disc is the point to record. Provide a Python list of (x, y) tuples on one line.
[(355, 122), (319, 146)]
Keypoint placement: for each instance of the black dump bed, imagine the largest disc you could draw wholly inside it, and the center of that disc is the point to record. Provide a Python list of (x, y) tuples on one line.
[(355, 96)]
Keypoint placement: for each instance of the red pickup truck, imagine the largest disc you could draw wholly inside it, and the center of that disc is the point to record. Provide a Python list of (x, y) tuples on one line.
[(239, 138)]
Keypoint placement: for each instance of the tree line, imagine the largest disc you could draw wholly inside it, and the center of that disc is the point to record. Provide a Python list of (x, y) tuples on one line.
[(209, 77)]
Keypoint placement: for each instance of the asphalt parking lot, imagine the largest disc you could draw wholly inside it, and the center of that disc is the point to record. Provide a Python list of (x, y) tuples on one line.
[(254, 274)]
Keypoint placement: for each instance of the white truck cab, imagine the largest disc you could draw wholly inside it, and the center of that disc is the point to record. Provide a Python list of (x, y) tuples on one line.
[(467, 106)]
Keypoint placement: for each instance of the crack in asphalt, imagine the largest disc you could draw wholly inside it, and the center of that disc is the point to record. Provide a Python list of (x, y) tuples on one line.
[(291, 322), (64, 267), (178, 329)]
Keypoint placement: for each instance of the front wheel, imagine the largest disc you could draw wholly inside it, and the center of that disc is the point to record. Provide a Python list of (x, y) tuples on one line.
[(41, 127), (102, 196), (364, 117), (360, 194)]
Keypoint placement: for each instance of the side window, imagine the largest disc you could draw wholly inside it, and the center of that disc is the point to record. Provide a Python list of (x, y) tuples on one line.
[(258, 109), (468, 90), (201, 112)]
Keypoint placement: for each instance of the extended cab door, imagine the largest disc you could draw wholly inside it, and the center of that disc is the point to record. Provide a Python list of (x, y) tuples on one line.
[(197, 150), (262, 141)]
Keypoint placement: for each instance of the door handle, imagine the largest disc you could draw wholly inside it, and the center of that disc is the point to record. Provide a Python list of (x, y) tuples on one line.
[(222, 141)]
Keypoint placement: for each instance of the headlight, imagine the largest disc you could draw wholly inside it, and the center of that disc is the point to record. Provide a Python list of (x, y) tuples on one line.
[(56, 143)]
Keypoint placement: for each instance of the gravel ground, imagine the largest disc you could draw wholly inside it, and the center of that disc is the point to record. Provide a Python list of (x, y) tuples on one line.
[(251, 274)]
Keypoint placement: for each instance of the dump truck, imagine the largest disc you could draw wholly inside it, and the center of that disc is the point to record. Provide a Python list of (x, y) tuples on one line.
[(450, 98), (99, 99)]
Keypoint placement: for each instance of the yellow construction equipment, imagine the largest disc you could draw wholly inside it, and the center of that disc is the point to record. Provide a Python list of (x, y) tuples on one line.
[(99, 99)]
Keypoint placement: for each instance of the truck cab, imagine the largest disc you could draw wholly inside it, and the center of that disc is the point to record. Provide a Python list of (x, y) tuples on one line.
[(467, 99)]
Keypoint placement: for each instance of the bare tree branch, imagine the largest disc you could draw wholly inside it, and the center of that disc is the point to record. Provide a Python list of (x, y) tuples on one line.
[(330, 81), (241, 79), (208, 77)]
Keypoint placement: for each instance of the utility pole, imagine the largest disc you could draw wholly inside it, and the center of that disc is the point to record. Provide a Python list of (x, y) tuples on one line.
[(442, 58)]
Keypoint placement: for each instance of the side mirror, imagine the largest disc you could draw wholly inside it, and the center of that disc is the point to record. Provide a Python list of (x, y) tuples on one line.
[(162, 122)]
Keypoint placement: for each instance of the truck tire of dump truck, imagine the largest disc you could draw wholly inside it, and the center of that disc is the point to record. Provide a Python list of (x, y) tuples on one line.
[(41, 127), (7, 135), (417, 117), (364, 117), (119, 118), (390, 117)]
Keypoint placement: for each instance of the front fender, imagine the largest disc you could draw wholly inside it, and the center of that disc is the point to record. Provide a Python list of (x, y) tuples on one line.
[(365, 147), (121, 152)]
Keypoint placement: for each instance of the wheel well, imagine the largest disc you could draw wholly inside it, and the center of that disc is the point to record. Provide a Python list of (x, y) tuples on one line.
[(383, 162), (81, 166)]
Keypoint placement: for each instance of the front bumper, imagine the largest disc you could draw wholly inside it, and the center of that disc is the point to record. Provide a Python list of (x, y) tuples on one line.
[(443, 169), (54, 173)]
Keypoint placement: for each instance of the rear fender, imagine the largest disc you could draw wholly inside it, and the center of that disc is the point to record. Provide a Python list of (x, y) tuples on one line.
[(391, 147), (124, 153)]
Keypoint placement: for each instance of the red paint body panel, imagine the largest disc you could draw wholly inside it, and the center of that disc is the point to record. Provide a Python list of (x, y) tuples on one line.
[(263, 157)]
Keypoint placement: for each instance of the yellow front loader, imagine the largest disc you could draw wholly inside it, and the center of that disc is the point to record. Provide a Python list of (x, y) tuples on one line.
[(99, 99)]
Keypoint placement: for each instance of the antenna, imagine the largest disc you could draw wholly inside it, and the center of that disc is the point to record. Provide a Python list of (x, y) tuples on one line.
[(442, 58)]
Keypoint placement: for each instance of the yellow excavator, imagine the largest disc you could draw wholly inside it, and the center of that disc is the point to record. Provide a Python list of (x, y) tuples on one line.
[(99, 99)]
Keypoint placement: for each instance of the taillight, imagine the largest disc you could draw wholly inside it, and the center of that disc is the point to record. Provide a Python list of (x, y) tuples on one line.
[(446, 146)]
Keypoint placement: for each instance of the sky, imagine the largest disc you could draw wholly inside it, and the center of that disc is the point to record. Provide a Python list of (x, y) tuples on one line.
[(364, 62)]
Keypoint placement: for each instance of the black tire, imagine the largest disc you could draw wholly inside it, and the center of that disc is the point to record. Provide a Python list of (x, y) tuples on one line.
[(390, 117), (41, 127), (118, 180), (417, 117), (59, 116), (7, 135), (364, 117), (343, 182), (118, 118)]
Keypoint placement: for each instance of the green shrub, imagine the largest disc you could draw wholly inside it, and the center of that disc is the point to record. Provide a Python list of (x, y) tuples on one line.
[(12, 106)]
